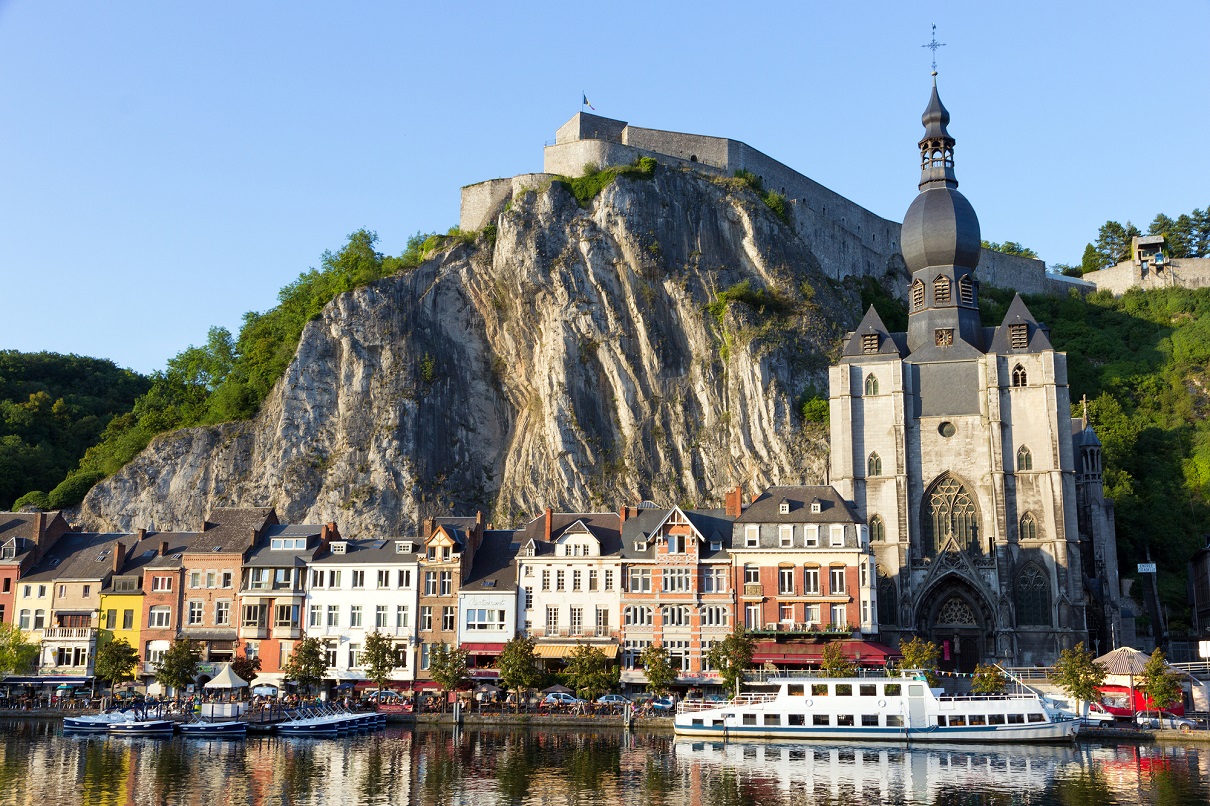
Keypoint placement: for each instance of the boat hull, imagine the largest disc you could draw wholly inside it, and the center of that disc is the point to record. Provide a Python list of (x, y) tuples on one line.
[(150, 727), (214, 730), (1044, 732)]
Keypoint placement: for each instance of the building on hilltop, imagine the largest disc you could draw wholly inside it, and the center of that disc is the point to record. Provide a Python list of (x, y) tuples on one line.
[(1151, 268), (955, 442), (848, 240)]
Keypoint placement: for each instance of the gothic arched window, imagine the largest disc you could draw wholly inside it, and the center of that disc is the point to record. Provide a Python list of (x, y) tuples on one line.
[(877, 530), (949, 511), (1029, 527), (871, 384), (888, 601), (1025, 459), (917, 295), (1033, 597), (941, 289), (873, 465), (1020, 378)]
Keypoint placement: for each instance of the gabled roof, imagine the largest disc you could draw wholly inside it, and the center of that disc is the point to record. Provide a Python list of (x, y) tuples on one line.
[(379, 551), (80, 556), (494, 570), (179, 544), (1018, 314), (709, 525), (766, 508), (871, 324), (606, 526)]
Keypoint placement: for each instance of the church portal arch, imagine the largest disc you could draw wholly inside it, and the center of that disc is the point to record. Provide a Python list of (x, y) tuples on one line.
[(957, 617)]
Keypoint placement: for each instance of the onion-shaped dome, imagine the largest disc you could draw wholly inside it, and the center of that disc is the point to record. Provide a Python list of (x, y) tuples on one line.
[(940, 229)]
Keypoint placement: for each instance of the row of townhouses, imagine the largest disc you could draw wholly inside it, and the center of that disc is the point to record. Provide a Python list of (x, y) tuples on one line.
[(794, 566)]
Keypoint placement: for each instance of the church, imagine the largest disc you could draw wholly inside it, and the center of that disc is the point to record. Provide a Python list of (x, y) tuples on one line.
[(955, 441)]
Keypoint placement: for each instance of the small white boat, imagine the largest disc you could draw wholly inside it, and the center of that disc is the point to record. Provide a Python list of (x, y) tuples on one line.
[(214, 730), (92, 723), (141, 727), (873, 708)]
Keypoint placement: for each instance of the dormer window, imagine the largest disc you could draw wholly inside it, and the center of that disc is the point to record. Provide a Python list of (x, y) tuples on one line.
[(640, 545), (817, 506), (716, 545), (784, 508), (404, 546), (339, 547), (869, 343), (1018, 336), (288, 544)]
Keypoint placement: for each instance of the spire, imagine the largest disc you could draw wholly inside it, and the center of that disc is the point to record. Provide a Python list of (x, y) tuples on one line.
[(937, 146)]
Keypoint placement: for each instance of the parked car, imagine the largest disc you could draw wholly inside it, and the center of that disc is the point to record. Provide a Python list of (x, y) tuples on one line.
[(560, 698), (613, 699), (1165, 720)]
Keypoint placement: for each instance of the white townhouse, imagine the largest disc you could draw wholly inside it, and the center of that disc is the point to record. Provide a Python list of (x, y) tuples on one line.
[(355, 588), (487, 603), (570, 581)]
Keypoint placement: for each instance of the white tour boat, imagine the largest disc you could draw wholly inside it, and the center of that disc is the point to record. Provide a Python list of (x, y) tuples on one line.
[(895, 709)]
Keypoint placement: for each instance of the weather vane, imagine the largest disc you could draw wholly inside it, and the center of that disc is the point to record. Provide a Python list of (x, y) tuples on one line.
[(933, 47)]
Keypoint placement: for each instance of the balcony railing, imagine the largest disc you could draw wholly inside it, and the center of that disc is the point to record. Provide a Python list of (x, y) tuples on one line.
[(754, 589), (68, 633), (803, 628), (568, 632)]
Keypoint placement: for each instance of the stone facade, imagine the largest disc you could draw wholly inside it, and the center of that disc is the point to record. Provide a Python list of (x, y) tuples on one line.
[(1150, 268), (955, 443)]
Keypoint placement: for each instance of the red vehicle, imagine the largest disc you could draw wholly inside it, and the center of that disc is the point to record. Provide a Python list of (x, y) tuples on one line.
[(1118, 701)]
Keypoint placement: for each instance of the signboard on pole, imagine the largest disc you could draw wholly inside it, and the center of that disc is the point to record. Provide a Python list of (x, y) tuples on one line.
[(1146, 568)]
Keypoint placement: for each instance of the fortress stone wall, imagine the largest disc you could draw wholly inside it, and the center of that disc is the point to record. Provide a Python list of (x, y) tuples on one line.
[(849, 240), (1176, 273)]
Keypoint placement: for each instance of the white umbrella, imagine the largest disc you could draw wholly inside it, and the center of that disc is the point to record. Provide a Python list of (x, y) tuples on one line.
[(226, 679)]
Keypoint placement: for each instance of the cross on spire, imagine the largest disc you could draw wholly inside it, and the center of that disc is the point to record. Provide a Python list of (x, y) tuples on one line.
[(933, 45)]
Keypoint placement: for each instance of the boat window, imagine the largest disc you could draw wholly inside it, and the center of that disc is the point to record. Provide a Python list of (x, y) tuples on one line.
[(796, 690), (941, 721), (697, 723), (915, 690), (978, 719), (749, 719), (894, 721), (995, 719), (867, 690), (891, 689), (796, 719), (716, 723), (845, 720), (869, 720), (1036, 718), (844, 689), (820, 719), (957, 720), (772, 719), (819, 689), (1016, 719)]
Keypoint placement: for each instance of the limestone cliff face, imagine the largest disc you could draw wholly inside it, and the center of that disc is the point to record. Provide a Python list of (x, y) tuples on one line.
[(573, 364)]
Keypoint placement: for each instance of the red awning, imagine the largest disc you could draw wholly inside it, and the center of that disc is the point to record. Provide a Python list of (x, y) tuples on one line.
[(483, 649), (424, 685), (483, 674), (868, 653)]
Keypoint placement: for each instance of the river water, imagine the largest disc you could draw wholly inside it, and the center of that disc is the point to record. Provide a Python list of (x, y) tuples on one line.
[(41, 767)]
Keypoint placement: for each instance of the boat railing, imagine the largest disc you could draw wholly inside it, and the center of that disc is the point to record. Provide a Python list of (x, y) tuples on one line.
[(739, 701), (984, 697)]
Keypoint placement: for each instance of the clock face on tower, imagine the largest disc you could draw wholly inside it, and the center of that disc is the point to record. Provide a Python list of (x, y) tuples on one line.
[(944, 336)]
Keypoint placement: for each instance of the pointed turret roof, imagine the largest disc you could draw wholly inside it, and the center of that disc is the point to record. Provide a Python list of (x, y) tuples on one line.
[(871, 325), (1037, 336), (935, 118)]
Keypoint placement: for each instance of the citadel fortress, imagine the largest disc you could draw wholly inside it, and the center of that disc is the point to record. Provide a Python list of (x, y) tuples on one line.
[(849, 240)]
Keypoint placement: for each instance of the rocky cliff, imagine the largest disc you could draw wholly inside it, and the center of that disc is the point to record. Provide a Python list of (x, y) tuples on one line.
[(571, 362)]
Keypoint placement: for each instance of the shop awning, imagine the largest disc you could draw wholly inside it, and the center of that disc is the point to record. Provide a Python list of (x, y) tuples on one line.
[(867, 653), (566, 650), (45, 680), (483, 649)]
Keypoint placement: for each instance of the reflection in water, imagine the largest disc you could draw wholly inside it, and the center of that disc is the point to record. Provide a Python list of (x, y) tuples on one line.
[(434, 767)]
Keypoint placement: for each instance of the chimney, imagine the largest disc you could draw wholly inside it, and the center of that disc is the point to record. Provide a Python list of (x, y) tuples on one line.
[(428, 524), (549, 513), (624, 513), (251, 538), (142, 534), (119, 556), (163, 548), (39, 527), (735, 502)]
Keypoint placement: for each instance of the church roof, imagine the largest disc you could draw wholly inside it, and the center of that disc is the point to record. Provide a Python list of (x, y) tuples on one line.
[(871, 325), (1038, 338), (935, 118)]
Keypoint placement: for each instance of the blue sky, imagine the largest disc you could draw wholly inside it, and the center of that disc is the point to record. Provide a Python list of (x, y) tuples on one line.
[(165, 167)]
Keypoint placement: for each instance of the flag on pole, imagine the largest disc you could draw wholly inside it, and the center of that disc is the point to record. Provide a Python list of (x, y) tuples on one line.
[(585, 102)]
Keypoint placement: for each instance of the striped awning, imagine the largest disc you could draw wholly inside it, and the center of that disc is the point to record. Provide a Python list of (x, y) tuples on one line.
[(566, 650)]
